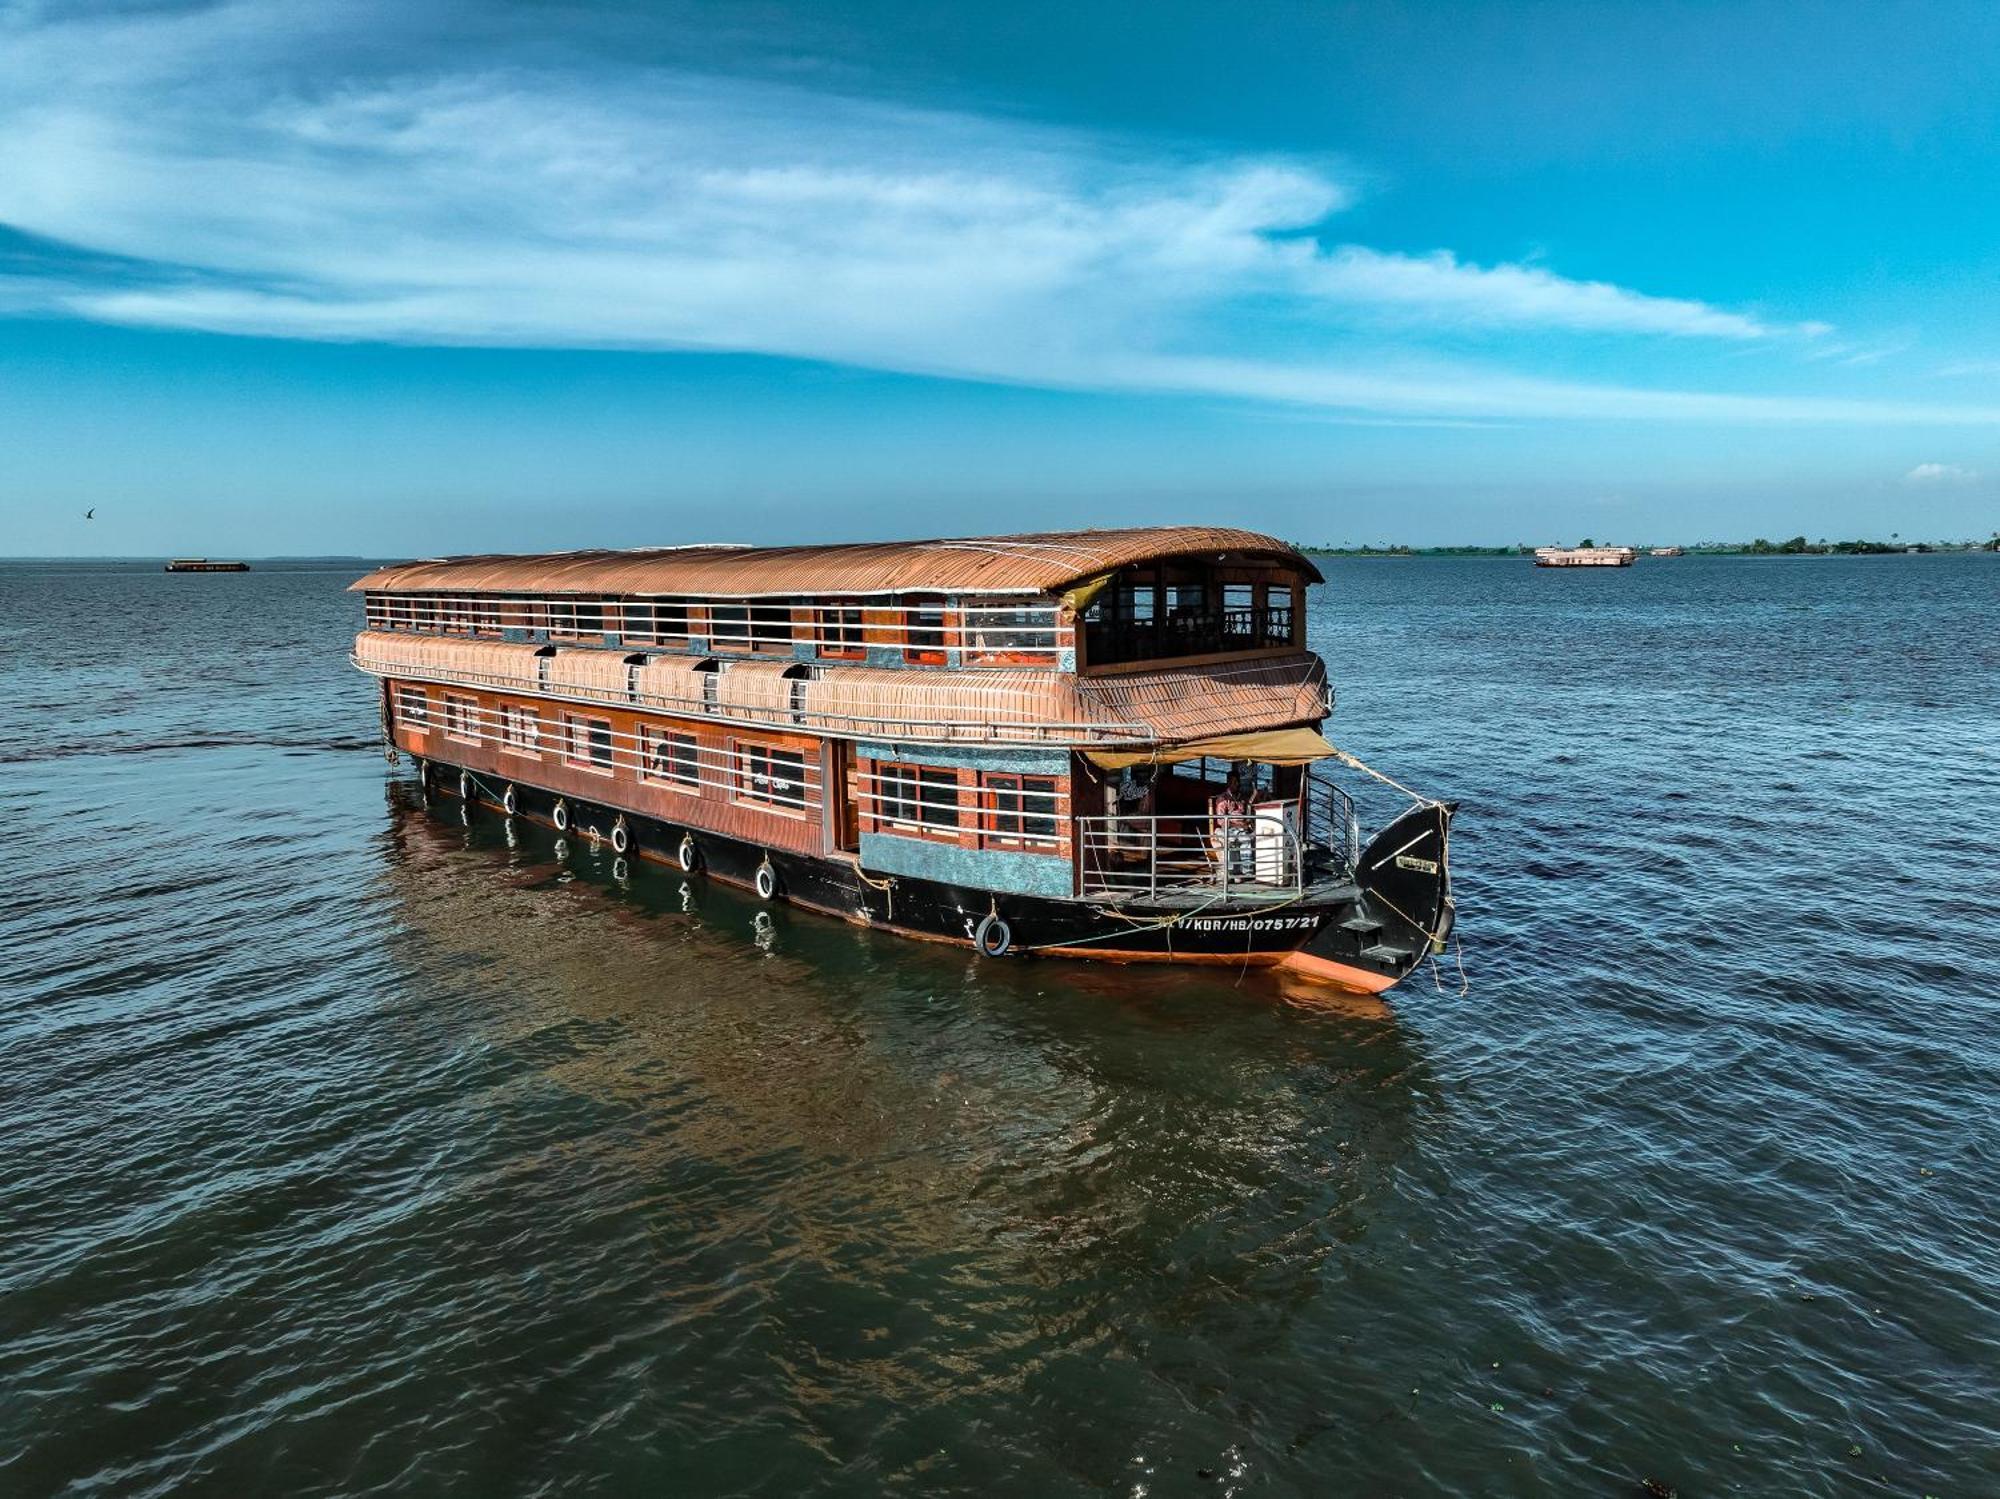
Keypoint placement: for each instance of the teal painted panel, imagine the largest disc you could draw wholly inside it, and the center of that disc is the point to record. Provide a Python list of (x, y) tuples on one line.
[(1044, 762), (979, 868)]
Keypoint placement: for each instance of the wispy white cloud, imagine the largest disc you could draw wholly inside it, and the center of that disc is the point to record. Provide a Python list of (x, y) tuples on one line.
[(264, 172), (1940, 474)]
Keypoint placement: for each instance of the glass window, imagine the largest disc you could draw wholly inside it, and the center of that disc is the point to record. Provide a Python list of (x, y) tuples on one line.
[(671, 758), (413, 707), (838, 631), (1018, 810), (923, 631), (589, 742), (776, 777), (521, 729), (461, 718), (918, 798)]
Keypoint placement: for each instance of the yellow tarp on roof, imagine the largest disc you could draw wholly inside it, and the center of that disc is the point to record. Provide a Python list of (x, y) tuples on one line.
[(1270, 747)]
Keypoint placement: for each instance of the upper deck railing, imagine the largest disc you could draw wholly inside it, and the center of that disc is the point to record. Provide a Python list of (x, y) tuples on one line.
[(995, 714), (912, 630)]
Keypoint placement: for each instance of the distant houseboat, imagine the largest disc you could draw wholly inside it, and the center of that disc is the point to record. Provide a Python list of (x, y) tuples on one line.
[(203, 565), (1102, 744), (1585, 556), (1668, 552)]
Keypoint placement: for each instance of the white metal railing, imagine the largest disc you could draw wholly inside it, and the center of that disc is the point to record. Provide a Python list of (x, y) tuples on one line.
[(754, 774), (1027, 632), (986, 716), (1250, 855)]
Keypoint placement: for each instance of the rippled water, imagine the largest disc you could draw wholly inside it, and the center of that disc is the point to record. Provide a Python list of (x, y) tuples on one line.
[(349, 1148)]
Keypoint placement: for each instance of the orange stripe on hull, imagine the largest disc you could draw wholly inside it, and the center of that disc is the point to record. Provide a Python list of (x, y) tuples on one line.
[(1360, 980)]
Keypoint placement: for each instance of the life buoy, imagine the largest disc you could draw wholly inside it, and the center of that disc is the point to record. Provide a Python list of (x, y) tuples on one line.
[(993, 937), (767, 881), (689, 854), (620, 838), (467, 787), (510, 801), (560, 816)]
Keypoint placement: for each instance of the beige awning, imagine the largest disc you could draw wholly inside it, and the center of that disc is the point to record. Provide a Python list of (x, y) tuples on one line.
[(1270, 747)]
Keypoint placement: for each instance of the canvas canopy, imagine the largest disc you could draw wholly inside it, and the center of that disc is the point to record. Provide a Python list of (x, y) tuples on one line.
[(1270, 747)]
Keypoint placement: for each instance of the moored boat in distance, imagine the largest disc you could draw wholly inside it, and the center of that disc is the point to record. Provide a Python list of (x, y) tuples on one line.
[(1668, 552), (1098, 744), (1585, 556), (203, 565)]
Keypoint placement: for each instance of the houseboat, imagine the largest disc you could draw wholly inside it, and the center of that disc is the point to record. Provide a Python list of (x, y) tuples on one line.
[(1585, 556), (1101, 744), (203, 565)]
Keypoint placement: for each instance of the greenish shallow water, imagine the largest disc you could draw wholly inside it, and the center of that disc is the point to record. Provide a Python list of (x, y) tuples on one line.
[(354, 1148)]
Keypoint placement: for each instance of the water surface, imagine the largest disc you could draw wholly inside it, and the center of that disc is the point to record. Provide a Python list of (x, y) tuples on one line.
[(353, 1147)]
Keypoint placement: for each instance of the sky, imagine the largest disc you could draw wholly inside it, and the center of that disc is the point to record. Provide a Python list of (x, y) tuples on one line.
[(410, 279)]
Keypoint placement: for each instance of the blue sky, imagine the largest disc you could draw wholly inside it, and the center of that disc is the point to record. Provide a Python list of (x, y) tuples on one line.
[(395, 278)]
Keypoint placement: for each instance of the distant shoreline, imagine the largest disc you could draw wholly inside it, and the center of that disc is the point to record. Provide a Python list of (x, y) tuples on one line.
[(1698, 549)]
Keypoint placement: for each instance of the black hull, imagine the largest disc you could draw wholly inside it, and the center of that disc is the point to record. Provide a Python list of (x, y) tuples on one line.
[(1333, 933)]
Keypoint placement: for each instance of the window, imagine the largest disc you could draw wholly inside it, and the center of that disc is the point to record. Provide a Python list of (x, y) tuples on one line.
[(423, 612), (521, 730), (670, 758), (588, 742), (461, 718), (576, 618), (413, 707), (485, 615), (923, 631), (1011, 633), (655, 621), (1017, 811), (750, 627), (377, 610), (775, 777), (837, 628), (918, 799)]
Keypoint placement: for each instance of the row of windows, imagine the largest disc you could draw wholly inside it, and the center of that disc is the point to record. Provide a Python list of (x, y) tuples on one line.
[(986, 809), (744, 769), (921, 627)]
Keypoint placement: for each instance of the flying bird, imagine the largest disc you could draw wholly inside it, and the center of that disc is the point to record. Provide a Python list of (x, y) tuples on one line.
[(91, 513)]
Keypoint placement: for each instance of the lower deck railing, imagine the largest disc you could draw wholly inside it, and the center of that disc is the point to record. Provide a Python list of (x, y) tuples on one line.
[(1249, 855)]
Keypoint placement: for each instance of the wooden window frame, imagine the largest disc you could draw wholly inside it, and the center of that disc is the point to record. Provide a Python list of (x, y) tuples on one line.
[(907, 612), (577, 736), (413, 708), (461, 718), (914, 783), (1020, 785), (520, 730), (741, 753), (683, 778), (852, 637)]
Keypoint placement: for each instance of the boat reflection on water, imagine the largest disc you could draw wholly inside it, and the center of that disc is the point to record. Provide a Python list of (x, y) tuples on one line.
[(979, 1154)]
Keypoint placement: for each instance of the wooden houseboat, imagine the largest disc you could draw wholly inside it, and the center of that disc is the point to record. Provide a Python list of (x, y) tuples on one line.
[(204, 565), (1099, 744)]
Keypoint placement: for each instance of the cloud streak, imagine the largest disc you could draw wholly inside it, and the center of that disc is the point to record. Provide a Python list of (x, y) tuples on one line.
[(263, 172)]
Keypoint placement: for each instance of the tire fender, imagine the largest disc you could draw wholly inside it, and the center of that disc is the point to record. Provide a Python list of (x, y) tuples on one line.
[(560, 816), (993, 937)]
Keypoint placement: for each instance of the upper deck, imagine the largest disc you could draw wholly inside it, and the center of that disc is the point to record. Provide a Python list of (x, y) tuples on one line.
[(1085, 602)]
